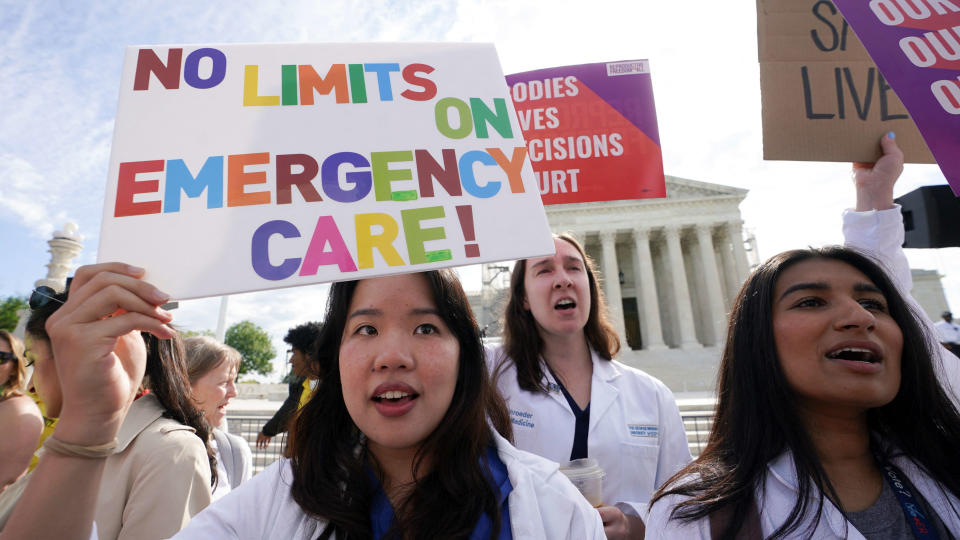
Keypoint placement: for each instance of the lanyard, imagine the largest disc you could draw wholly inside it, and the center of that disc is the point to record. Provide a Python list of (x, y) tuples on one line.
[(921, 525)]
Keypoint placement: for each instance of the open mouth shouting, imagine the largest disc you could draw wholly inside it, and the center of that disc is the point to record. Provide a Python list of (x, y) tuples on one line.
[(565, 304), (861, 357), (394, 399)]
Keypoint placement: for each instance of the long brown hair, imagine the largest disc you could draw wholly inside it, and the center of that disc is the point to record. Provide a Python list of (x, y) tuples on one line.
[(757, 418), (521, 339), (14, 385), (329, 460)]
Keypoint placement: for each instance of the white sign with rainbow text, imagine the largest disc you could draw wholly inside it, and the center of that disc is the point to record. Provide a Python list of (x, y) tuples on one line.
[(247, 167)]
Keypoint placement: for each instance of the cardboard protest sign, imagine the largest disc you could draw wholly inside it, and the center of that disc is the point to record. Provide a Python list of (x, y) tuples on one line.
[(591, 131), (246, 167), (916, 44), (823, 98)]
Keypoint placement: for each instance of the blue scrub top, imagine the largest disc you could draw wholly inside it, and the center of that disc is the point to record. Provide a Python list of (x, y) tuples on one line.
[(382, 517)]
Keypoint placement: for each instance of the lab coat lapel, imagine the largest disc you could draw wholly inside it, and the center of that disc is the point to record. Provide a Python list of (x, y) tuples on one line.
[(603, 393), (784, 473)]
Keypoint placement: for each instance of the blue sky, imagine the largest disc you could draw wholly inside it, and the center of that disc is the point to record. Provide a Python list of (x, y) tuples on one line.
[(60, 69)]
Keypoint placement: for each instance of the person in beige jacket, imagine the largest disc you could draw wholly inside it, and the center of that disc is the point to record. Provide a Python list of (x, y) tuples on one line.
[(159, 471), (158, 479)]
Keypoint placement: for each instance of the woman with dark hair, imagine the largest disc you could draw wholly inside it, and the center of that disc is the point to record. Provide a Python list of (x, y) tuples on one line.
[(160, 472), (831, 421), (404, 438), (568, 398), (20, 420)]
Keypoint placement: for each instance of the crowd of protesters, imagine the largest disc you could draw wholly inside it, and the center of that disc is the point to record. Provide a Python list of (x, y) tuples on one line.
[(837, 410)]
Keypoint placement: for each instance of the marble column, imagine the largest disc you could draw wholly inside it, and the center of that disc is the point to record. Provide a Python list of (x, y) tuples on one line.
[(646, 286), (715, 303), (611, 280), (681, 291), (729, 266), (735, 230)]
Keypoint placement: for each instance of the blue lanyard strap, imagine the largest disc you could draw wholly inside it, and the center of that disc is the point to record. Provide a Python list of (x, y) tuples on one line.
[(921, 525)]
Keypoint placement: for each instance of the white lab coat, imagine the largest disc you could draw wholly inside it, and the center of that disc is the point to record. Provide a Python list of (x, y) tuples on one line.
[(778, 495), (636, 433), (880, 234), (544, 505)]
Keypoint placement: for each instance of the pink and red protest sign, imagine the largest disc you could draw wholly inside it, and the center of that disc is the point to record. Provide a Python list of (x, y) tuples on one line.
[(591, 131), (248, 167), (916, 45)]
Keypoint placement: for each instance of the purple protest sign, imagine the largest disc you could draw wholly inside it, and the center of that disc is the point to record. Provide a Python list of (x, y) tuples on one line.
[(591, 131), (916, 45)]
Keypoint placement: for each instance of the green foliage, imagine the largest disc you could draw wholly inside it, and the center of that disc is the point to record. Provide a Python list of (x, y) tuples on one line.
[(8, 312), (254, 345), (194, 333)]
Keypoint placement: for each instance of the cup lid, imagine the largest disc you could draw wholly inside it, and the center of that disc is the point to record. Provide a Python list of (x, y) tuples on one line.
[(582, 468)]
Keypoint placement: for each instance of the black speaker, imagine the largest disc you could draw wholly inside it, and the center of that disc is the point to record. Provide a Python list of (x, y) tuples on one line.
[(931, 217)]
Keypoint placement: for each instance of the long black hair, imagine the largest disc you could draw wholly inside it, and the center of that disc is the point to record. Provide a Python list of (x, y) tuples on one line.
[(166, 376), (327, 451), (521, 338), (757, 418)]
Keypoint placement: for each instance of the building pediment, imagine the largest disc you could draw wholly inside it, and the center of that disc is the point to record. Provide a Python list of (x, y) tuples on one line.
[(683, 195), (684, 188)]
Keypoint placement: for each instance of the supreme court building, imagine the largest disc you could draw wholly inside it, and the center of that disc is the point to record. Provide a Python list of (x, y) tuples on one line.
[(670, 267), (674, 265)]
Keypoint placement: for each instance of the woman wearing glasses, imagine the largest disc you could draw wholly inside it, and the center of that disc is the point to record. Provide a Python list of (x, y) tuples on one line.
[(20, 420)]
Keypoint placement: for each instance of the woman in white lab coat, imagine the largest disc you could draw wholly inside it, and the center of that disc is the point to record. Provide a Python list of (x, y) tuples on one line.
[(397, 442), (832, 421), (568, 399)]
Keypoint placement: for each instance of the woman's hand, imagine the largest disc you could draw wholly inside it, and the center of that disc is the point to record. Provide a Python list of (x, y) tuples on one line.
[(874, 181), (97, 347), (263, 441), (619, 526)]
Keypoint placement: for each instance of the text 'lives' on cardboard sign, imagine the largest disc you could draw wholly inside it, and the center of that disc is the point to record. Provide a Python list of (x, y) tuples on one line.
[(823, 97)]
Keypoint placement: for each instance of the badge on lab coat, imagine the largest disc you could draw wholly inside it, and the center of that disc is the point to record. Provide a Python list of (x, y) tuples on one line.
[(644, 430), (521, 418)]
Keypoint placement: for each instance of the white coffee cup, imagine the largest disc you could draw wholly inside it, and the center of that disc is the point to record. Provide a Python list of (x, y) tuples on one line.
[(587, 475)]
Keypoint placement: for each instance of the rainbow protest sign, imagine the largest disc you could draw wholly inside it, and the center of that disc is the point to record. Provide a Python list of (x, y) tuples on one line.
[(591, 131), (916, 44), (246, 167)]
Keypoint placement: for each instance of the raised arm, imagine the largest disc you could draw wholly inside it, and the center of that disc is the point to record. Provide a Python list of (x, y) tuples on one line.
[(100, 360), (875, 226)]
